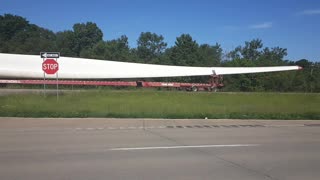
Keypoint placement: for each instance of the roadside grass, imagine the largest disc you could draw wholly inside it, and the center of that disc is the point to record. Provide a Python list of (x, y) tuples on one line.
[(164, 104)]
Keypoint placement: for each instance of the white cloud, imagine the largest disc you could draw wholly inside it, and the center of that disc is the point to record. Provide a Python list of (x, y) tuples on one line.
[(264, 25), (310, 12)]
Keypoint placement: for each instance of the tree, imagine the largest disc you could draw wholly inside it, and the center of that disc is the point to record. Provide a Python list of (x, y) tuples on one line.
[(272, 57), (250, 51), (210, 55), (304, 63), (117, 50), (10, 25), (86, 36), (66, 43), (185, 52), (18, 36), (32, 41), (308, 79), (150, 46)]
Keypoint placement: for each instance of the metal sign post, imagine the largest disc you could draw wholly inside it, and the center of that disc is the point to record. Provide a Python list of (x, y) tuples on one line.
[(44, 81), (50, 66), (57, 83)]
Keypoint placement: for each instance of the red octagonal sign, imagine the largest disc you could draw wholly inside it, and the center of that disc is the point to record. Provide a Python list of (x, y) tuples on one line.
[(50, 66)]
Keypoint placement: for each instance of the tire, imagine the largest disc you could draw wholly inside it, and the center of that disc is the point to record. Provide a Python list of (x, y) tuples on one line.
[(194, 89)]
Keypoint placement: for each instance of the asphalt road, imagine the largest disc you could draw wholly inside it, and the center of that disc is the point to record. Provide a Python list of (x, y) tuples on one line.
[(158, 149)]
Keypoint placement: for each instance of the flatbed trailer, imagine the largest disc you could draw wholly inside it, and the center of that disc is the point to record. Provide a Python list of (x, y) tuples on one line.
[(214, 83)]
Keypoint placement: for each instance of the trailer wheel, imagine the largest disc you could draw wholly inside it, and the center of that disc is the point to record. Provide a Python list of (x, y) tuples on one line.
[(194, 89)]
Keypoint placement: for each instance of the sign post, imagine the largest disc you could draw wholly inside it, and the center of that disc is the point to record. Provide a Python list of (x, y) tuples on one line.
[(50, 66)]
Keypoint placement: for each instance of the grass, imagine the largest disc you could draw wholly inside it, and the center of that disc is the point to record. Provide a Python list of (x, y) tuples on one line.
[(161, 104)]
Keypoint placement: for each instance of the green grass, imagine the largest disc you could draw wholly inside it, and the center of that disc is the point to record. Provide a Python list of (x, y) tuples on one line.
[(160, 104)]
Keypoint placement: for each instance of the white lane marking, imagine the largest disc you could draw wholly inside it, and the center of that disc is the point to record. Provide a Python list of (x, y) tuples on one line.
[(182, 147), (286, 125)]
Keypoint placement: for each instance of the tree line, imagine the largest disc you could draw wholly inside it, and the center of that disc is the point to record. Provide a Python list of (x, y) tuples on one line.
[(18, 35)]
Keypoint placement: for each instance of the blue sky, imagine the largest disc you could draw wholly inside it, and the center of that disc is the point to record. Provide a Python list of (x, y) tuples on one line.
[(290, 24)]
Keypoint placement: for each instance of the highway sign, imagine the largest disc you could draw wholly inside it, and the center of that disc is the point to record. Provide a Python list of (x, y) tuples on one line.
[(50, 66), (50, 54)]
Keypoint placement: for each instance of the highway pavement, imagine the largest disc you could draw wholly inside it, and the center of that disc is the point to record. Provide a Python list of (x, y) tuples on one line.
[(158, 149)]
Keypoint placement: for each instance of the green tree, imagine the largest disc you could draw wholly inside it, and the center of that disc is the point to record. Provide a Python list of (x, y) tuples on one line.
[(185, 52), (308, 79), (150, 46), (304, 63), (10, 25), (251, 49), (18, 36), (32, 40), (272, 57), (116, 50), (86, 36), (252, 54), (66, 42), (210, 55)]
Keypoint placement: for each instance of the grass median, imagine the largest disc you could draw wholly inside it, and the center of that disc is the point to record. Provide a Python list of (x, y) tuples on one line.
[(164, 104)]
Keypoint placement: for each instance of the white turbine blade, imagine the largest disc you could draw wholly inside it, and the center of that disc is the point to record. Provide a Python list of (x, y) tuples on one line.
[(30, 66), (247, 70)]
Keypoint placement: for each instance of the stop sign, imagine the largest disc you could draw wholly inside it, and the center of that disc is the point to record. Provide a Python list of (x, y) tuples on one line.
[(50, 66)]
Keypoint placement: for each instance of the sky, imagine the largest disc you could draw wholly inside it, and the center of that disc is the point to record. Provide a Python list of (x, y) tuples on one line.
[(291, 24)]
